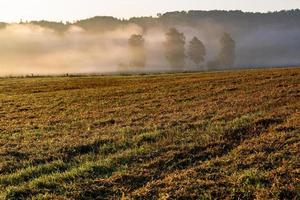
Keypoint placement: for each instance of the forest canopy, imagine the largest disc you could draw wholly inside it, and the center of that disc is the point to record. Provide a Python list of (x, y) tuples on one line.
[(191, 18)]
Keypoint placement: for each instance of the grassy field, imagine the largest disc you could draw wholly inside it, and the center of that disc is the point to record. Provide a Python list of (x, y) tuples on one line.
[(233, 135)]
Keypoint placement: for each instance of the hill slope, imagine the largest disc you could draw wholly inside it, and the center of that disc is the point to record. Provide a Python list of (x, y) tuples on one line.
[(200, 135)]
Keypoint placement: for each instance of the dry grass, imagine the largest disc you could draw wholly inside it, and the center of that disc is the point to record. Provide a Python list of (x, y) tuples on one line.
[(231, 135)]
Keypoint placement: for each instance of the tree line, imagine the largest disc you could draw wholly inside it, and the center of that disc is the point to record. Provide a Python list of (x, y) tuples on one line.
[(242, 20), (176, 53)]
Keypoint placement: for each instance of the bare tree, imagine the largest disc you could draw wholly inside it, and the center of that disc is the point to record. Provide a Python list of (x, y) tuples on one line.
[(174, 48)]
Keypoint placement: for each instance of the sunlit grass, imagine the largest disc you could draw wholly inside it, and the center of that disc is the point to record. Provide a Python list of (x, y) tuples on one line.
[(197, 135)]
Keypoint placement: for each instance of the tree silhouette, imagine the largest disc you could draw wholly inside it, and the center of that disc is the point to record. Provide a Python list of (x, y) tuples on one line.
[(196, 51), (174, 48), (227, 53), (137, 51)]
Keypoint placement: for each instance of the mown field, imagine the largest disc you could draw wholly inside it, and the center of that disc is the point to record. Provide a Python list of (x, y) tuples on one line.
[(226, 135)]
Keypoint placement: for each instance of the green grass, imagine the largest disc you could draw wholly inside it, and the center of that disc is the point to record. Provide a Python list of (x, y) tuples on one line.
[(179, 136)]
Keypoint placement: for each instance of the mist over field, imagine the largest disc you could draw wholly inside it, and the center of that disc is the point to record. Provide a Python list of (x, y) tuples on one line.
[(184, 105), (269, 46), (27, 49), (35, 48)]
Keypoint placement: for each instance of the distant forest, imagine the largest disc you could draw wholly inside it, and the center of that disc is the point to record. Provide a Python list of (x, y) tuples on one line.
[(193, 40), (237, 19)]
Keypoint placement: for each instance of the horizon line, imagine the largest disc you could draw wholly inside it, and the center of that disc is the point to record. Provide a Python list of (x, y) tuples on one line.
[(145, 16)]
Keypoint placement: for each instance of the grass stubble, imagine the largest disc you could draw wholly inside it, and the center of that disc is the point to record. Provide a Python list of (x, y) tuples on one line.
[(231, 135)]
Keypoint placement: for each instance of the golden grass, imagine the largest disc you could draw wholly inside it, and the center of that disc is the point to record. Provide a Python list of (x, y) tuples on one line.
[(211, 135)]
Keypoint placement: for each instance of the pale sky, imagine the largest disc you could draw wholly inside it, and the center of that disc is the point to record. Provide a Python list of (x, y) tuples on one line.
[(70, 10)]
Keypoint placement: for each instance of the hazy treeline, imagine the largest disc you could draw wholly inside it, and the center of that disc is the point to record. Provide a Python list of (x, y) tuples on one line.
[(176, 53), (107, 44), (238, 19)]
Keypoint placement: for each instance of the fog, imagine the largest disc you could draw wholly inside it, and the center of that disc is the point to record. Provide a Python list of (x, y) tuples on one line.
[(30, 49), (27, 49), (269, 46)]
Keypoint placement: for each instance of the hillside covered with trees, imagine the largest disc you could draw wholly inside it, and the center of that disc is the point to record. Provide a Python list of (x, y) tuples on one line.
[(180, 41), (238, 19)]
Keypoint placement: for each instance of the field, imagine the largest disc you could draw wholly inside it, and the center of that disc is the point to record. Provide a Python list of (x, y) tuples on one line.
[(213, 135)]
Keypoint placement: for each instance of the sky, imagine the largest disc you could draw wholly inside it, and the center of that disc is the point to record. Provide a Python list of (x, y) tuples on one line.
[(72, 10)]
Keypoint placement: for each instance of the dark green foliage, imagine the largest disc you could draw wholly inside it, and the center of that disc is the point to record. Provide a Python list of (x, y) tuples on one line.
[(100, 24)]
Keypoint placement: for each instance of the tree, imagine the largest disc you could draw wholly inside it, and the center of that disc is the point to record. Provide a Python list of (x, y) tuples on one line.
[(227, 53), (137, 51), (174, 48), (196, 51)]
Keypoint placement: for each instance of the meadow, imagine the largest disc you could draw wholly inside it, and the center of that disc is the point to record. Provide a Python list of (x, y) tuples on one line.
[(209, 135)]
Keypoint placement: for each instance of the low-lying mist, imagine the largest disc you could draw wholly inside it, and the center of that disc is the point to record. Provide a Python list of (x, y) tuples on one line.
[(31, 49)]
